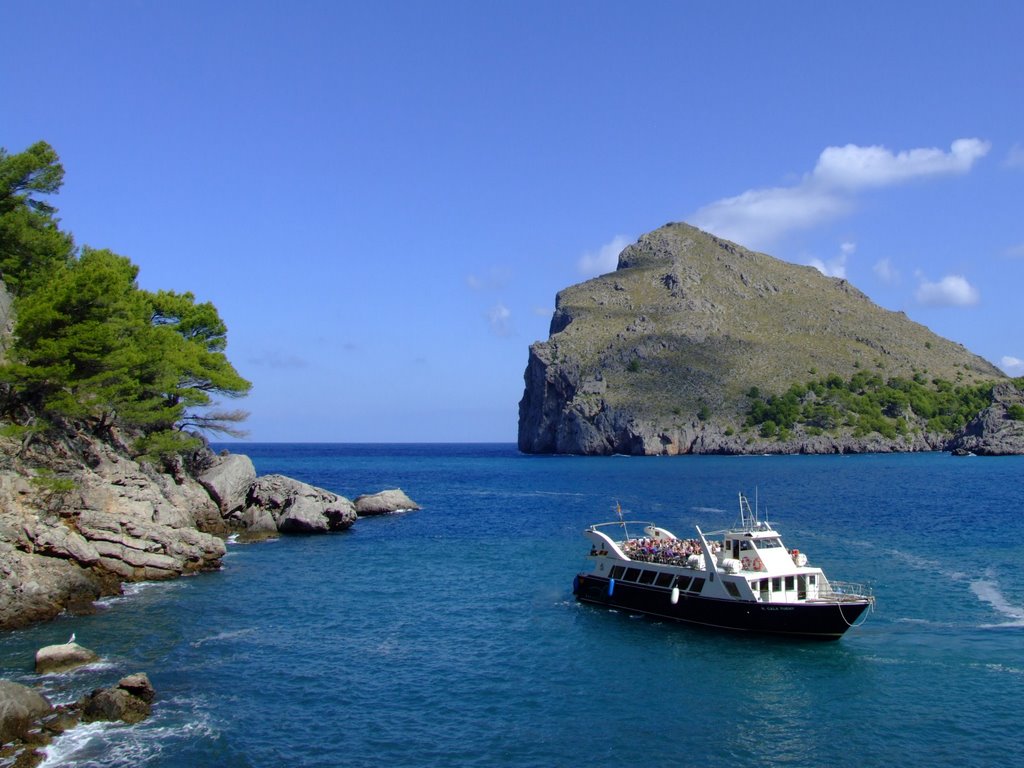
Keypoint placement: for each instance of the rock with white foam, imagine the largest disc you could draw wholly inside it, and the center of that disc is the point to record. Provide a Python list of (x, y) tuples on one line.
[(62, 657)]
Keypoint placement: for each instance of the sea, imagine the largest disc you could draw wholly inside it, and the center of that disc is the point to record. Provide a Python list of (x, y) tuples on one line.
[(449, 636)]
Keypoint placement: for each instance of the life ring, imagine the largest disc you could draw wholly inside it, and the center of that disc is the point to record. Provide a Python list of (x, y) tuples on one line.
[(758, 565), (746, 563)]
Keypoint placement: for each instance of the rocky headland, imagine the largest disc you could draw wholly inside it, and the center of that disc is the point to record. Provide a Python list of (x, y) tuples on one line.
[(667, 355), (79, 517)]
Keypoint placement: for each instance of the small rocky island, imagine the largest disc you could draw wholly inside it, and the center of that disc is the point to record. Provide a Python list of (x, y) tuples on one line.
[(695, 344)]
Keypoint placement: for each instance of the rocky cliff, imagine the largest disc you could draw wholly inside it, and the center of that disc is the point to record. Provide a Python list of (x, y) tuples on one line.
[(659, 357)]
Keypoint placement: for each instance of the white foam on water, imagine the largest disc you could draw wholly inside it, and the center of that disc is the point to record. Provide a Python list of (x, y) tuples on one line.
[(70, 747), (133, 589), (1003, 669), (116, 745), (988, 592), (220, 636)]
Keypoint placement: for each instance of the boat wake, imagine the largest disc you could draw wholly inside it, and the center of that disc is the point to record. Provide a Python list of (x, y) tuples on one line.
[(985, 589), (988, 591)]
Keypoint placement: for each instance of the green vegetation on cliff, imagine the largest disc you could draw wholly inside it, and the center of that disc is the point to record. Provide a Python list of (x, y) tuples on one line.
[(89, 346), (865, 403)]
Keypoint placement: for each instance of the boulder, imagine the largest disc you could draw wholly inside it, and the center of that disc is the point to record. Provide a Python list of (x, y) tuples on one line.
[(228, 481), (60, 658), (384, 503), (297, 507), (20, 708), (138, 685), (115, 703)]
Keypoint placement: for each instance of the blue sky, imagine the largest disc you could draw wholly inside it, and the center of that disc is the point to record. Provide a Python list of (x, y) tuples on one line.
[(382, 199)]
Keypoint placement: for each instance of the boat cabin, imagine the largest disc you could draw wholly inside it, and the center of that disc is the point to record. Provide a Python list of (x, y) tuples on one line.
[(743, 565)]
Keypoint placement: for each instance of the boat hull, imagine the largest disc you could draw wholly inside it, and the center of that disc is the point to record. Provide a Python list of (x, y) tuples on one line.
[(811, 620)]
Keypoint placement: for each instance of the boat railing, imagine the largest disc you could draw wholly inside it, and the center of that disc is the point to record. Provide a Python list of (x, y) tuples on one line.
[(845, 592)]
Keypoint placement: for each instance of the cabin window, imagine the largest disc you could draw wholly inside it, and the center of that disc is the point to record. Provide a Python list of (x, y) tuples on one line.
[(769, 544), (731, 588), (746, 545), (683, 582), (632, 574), (790, 583), (617, 571), (664, 579), (647, 577), (777, 584), (697, 586), (811, 579), (763, 584)]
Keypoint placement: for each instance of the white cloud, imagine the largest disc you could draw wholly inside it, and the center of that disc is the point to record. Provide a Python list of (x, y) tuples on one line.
[(1012, 365), (758, 216), (499, 318), (950, 291), (886, 271), (835, 267), (605, 259), (856, 167)]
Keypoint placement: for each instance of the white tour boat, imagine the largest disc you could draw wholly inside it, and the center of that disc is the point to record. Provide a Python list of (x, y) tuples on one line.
[(742, 578)]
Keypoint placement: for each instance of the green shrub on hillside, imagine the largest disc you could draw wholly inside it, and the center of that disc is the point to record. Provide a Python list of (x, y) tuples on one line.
[(867, 404)]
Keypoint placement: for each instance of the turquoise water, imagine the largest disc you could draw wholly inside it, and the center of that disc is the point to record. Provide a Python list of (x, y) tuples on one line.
[(449, 636)]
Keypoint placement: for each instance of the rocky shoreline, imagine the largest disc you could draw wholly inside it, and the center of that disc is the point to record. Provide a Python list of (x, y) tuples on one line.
[(29, 721), (79, 518)]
